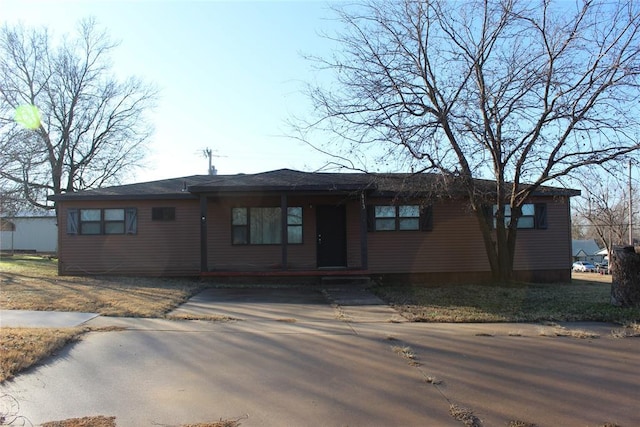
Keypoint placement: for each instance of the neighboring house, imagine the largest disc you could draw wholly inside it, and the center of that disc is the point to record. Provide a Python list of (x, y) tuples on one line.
[(586, 250), (287, 223), (29, 233)]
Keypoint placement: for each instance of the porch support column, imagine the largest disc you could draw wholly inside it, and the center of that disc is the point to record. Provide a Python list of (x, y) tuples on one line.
[(284, 221), (203, 234), (364, 254)]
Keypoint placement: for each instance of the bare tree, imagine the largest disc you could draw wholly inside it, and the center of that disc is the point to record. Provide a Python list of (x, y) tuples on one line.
[(91, 128), (603, 208), (520, 92)]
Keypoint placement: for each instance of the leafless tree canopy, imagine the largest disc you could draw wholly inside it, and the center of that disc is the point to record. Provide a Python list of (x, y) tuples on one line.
[(515, 91), (602, 211), (93, 126)]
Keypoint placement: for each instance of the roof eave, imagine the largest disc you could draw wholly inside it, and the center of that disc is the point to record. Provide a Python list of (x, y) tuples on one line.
[(93, 197), (339, 188)]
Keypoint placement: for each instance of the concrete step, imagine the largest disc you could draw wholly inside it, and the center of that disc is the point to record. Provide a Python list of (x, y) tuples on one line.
[(345, 280)]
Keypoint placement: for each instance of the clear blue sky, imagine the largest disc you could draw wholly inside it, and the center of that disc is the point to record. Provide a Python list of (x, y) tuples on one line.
[(230, 74)]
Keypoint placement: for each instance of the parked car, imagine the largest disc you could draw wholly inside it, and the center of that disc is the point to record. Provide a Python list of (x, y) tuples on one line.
[(583, 266), (602, 268)]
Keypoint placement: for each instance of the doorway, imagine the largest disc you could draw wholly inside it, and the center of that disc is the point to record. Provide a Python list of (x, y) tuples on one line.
[(331, 236)]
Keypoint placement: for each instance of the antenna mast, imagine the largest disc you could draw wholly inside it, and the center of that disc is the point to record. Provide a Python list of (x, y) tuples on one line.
[(212, 169)]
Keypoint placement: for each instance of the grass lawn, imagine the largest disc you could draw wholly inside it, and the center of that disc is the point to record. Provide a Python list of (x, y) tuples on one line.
[(32, 283), (586, 298)]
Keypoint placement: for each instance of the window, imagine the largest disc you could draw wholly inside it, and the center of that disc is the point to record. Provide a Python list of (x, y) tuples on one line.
[(263, 226), (113, 221), (102, 221), (90, 221), (403, 218), (163, 214), (533, 216), (239, 229), (294, 225)]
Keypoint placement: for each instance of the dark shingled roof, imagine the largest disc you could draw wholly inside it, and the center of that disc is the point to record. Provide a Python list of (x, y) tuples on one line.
[(277, 181)]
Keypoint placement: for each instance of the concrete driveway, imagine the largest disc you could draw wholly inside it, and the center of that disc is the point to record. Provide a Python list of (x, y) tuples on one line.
[(306, 357)]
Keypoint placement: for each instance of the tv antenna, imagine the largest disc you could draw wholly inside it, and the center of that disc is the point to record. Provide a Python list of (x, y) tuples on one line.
[(208, 153)]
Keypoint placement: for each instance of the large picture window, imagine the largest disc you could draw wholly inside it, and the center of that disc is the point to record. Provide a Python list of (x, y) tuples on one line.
[(102, 221), (263, 226)]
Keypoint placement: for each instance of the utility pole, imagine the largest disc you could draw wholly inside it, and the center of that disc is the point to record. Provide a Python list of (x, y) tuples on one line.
[(630, 209)]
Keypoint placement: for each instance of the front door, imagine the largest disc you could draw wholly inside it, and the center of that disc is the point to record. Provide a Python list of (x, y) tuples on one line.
[(331, 236)]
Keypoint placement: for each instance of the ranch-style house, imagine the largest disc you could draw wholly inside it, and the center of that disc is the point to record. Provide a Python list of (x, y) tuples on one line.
[(301, 225)]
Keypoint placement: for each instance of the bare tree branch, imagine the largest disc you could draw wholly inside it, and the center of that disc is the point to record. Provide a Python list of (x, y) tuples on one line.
[(93, 127), (523, 93)]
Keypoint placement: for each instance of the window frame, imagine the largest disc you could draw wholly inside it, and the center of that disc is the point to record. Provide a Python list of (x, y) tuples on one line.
[(241, 225), (537, 217), (83, 224), (163, 213), (295, 225), (424, 218), (126, 221)]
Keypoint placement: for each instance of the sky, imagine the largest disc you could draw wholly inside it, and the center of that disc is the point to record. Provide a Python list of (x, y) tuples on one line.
[(230, 73)]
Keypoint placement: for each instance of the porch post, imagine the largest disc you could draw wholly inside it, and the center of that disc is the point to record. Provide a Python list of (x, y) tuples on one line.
[(284, 222), (203, 234), (364, 255)]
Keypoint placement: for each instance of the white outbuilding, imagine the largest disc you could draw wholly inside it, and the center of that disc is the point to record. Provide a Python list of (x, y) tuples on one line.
[(29, 233)]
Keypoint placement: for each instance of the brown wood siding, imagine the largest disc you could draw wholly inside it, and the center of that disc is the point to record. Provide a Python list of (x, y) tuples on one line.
[(454, 244), (173, 247), (222, 255), (158, 248), (547, 249), (353, 235)]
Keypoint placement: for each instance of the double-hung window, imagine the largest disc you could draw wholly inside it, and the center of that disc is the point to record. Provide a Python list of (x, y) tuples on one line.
[(263, 225), (294, 225), (90, 221)]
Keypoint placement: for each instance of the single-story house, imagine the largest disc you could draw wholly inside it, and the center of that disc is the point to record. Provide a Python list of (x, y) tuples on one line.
[(586, 250), (287, 223), (29, 232)]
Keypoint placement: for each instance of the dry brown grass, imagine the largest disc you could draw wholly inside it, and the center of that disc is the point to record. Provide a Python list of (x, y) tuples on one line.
[(630, 330), (24, 347), (221, 423), (464, 415), (561, 331), (98, 421), (201, 317), (32, 283), (101, 421)]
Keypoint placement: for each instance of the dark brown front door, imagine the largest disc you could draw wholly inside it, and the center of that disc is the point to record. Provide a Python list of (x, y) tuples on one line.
[(331, 236)]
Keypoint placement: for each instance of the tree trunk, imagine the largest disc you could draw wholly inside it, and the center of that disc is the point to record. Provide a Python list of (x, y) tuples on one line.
[(499, 246), (625, 283)]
